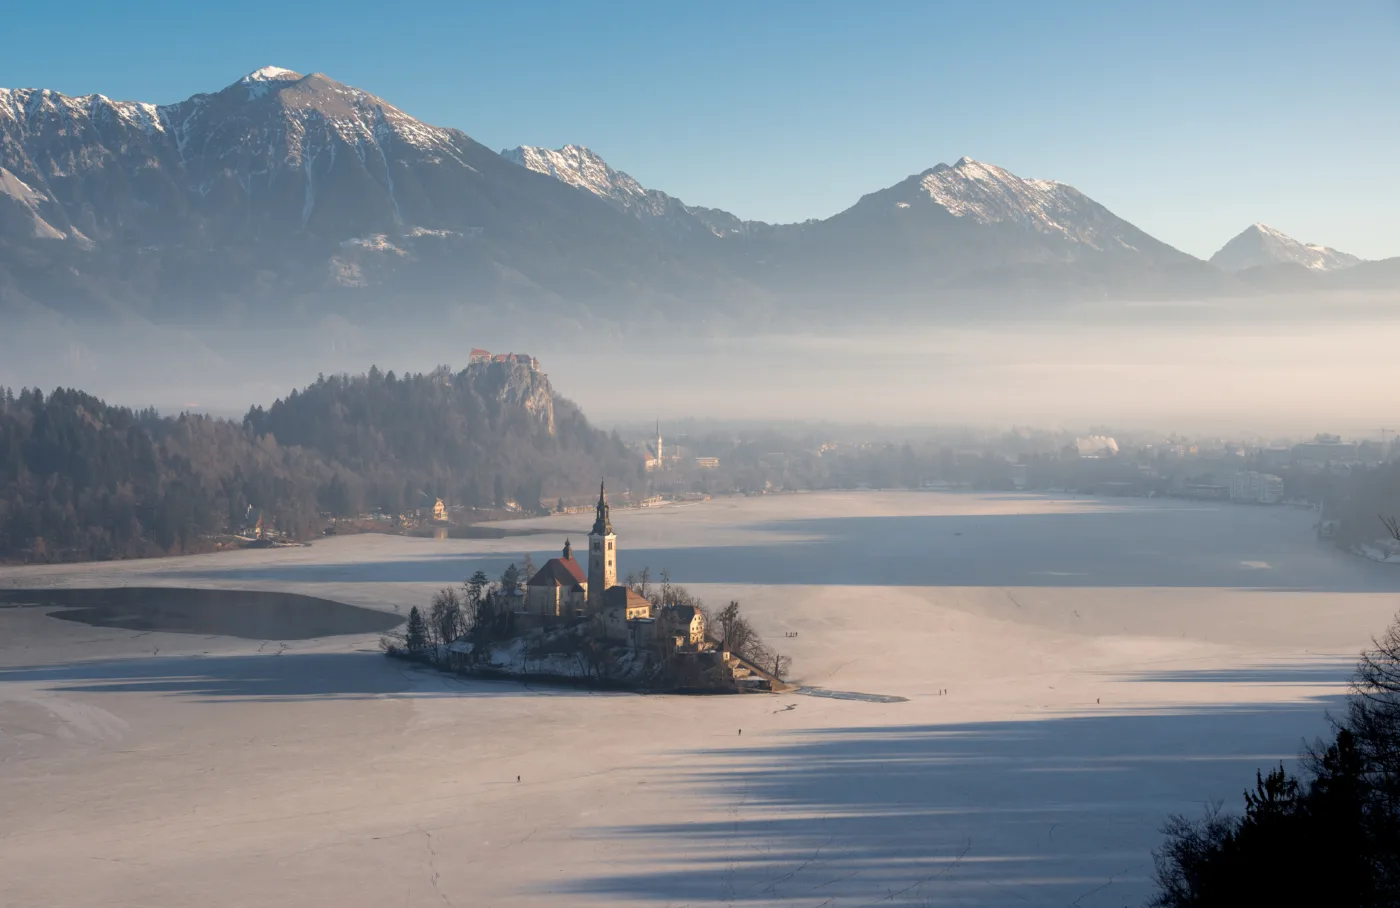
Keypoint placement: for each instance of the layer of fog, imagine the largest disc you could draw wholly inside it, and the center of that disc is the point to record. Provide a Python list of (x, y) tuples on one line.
[(1262, 366)]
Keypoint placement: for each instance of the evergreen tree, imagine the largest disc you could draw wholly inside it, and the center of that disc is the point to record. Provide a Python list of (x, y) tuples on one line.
[(510, 580), (416, 635), (476, 586)]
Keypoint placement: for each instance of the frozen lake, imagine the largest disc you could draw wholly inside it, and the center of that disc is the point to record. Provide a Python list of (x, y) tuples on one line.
[(1107, 662)]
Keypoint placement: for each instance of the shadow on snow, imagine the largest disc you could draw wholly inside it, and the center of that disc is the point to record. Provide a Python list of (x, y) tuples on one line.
[(270, 677), (1189, 546), (1058, 811)]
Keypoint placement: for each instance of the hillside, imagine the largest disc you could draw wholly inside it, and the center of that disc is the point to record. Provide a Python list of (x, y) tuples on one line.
[(81, 479)]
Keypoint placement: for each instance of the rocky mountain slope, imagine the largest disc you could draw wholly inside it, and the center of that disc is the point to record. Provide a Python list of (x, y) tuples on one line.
[(1260, 245)]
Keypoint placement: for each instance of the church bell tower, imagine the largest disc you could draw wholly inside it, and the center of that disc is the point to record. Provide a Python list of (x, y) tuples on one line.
[(602, 554)]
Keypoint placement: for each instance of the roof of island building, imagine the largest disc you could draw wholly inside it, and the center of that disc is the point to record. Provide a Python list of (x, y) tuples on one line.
[(563, 571), (624, 597)]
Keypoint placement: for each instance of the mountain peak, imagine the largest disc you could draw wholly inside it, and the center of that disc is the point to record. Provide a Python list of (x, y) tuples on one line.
[(989, 194), (978, 193), (1259, 245), (269, 74), (261, 81)]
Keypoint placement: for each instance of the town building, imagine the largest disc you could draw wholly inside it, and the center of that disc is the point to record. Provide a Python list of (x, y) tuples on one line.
[(253, 523), (1256, 487), (686, 624), (1325, 451)]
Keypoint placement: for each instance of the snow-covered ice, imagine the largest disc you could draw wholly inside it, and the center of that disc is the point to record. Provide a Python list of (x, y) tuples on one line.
[(1106, 662)]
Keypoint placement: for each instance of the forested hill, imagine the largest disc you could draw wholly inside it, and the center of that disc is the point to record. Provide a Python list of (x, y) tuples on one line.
[(490, 433), (81, 479)]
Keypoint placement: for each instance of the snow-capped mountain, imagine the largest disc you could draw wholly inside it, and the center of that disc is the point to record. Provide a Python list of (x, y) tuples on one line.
[(1061, 220), (293, 195), (582, 168), (282, 185), (1260, 245), (260, 151)]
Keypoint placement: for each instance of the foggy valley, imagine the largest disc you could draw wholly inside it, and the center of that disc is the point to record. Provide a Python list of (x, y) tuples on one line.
[(935, 482)]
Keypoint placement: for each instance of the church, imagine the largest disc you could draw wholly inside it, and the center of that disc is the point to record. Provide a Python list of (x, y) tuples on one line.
[(561, 588)]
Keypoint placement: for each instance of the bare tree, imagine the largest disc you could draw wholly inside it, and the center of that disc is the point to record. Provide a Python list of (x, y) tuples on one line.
[(445, 619), (736, 634), (640, 582), (596, 658), (1373, 715)]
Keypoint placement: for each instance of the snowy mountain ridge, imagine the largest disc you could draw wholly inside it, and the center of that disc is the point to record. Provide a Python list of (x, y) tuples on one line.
[(988, 194), (1259, 245), (582, 168)]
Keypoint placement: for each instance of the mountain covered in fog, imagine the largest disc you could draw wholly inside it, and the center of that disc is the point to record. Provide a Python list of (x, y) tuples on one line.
[(1260, 245), (299, 198)]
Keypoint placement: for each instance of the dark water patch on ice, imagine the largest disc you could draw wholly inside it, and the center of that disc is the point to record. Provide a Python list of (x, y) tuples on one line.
[(850, 695), (252, 615)]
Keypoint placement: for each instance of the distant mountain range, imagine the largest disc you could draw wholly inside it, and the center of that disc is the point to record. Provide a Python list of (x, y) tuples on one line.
[(298, 197)]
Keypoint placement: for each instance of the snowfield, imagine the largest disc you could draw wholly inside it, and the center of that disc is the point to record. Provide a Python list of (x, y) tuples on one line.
[(1106, 662)]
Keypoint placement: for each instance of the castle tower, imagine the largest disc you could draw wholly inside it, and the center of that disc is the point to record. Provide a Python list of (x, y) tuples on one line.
[(602, 554)]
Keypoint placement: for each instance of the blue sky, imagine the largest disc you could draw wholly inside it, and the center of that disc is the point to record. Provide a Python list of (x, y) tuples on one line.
[(1191, 120)]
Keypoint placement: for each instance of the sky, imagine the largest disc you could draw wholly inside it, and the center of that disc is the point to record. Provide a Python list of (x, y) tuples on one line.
[(1191, 120)]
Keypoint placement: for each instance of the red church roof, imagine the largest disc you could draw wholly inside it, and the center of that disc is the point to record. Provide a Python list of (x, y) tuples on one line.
[(559, 572)]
